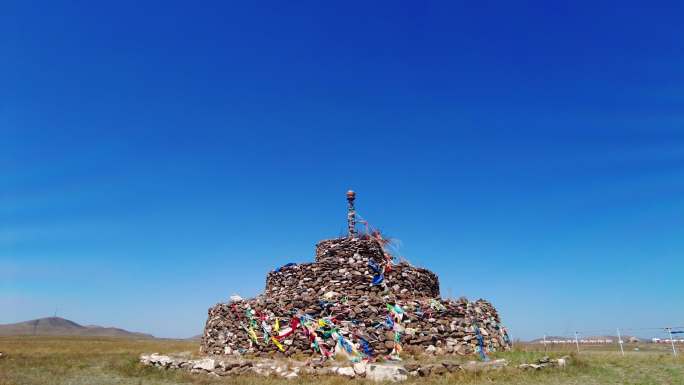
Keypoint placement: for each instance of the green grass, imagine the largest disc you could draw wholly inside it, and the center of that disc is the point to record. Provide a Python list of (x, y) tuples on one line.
[(95, 361)]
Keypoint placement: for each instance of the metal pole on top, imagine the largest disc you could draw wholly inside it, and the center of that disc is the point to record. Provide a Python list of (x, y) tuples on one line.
[(674, 351)]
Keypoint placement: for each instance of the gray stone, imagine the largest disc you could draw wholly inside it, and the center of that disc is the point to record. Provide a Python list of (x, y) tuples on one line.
[(424, 371), (386, 372), (451, 367), (207, 364), (291, 375), (474, 366), (346, 371)]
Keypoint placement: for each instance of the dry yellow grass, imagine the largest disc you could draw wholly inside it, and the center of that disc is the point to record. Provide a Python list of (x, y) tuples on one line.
[(95, 361)]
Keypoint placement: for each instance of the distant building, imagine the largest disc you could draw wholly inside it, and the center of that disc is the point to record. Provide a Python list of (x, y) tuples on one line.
[(585, 341), (667, 340)]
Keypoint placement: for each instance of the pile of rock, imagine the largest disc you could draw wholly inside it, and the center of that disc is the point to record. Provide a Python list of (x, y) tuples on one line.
[(353, 301), (345, 266)]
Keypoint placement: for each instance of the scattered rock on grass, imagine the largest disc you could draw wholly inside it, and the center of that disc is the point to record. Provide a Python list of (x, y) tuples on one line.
[(546, 362), (386, 372)]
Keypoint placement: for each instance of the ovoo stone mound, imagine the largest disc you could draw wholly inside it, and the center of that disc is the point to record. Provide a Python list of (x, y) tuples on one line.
[(356, 302)]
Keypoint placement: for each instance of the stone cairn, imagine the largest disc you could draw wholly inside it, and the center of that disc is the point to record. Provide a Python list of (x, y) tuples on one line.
[(353, 301)]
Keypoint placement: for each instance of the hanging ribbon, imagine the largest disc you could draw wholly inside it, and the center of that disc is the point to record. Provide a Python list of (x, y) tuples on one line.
[(389, 322), (251, 333), (344, 344), (267, 331), (286, 332), (374, 266), (278, 344), (480, 343), (379, 272), (365, 347)]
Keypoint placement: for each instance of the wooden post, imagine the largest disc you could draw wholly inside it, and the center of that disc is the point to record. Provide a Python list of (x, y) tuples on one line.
[(351, 214), (620, 342)]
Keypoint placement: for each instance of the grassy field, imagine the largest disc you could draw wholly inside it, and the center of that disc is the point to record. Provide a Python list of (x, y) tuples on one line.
[(94, 361)]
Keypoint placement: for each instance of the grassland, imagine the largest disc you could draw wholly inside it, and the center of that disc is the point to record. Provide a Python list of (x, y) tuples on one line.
[(94, 361)]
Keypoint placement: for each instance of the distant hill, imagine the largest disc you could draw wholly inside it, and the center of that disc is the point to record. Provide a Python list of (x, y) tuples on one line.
[(549, 338), (56, 326)]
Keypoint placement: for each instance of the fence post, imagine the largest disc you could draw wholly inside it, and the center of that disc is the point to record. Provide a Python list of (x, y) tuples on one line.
[(620, 341), (674, 351), (577, 342), (545, 343)]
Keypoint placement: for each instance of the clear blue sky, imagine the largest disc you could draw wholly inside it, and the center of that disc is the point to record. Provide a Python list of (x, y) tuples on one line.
[(156, 158)]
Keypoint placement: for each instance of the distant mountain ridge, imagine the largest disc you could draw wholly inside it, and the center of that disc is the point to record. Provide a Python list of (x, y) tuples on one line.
[(56, 326)]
